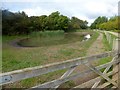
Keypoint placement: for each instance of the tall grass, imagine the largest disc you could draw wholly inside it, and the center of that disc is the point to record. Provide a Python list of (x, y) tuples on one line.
[(49, 38), (47, 34)]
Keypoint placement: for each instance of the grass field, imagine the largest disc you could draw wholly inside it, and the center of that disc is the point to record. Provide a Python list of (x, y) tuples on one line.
[(18, 58)]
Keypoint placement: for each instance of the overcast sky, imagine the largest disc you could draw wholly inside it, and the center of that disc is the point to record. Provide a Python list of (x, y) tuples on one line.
[(83, 9)]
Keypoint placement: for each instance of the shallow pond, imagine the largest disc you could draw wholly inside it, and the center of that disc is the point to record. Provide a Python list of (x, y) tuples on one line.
[(39, 42)]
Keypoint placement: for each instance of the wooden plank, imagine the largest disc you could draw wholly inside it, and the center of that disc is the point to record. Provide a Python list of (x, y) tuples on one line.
[(109, 38), (106, 84), (105, 71), (18, 75), (119, 74), (113, 48), (116, 67), (84, 85), (66, 74), (101, 74), (113, 87), (57, 82), (119, 63), (96, 84)]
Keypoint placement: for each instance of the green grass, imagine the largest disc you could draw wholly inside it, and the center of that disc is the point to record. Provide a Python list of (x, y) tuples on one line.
[(18, 58)]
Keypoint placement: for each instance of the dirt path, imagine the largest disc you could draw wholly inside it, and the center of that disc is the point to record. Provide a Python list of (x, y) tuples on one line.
[(96, 48)]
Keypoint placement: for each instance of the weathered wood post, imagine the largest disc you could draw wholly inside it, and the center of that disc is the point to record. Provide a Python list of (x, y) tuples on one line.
[(113, 42), (109, 38), (116, 47), (119, 64)]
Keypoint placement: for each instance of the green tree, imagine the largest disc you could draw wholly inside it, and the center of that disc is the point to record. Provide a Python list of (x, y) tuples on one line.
[(98, 21), (76, 23), (14, 23), (20, 23), (112, 24)]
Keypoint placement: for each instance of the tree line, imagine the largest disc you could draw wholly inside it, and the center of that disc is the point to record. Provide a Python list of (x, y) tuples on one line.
[(20, 23), (106, 24)]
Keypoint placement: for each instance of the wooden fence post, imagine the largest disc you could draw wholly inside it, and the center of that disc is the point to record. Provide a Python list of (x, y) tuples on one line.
[(116, 46), (119, 64), (107, 36), (109, 39), (113, 42)]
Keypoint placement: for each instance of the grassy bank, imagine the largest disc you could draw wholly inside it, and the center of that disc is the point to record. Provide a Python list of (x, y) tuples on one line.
[(118, 31), (18, 58), (108, 47)]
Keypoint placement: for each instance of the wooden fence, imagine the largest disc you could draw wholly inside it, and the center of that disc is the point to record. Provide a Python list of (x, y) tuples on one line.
[(110, 38), (70, 65)]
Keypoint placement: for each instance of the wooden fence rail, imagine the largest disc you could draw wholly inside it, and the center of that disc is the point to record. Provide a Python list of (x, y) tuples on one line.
[(17, 75)]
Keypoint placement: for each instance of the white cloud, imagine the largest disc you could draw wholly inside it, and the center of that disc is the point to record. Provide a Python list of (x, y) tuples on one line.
[(83, 9), (24, 0), (37, 11)]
